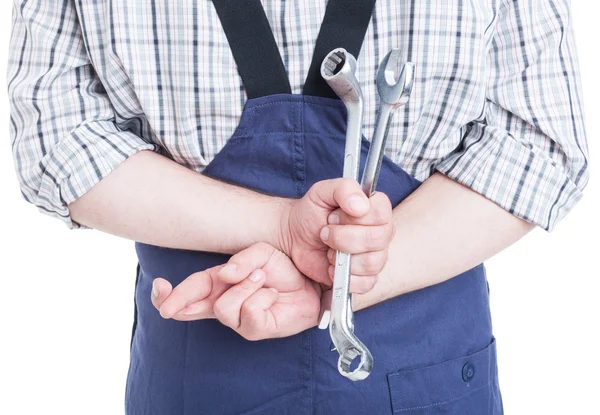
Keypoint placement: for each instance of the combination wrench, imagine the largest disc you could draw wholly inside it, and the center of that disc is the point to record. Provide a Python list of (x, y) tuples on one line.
[(394, 92), (338, 69)]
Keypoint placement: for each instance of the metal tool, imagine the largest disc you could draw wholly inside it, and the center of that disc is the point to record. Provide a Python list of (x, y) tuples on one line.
[(338, 69), (394, 92)]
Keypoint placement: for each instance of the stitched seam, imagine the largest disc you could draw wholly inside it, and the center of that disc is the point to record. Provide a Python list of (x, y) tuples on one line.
[(301, 151), (296, 152), (444, 402), (312, 104), (270, 104), (340, 136)]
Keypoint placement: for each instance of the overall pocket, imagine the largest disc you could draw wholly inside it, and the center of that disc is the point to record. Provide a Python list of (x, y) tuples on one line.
[(463, 386)]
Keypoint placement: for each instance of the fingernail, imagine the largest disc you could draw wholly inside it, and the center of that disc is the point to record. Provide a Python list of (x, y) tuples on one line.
[(334, 219), (229, 268), (325, 233), (274, 290), (154, 290), (357, 203), (256, 276)]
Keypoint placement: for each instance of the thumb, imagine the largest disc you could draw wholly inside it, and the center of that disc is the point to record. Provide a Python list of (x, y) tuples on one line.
[(344, 193), (161, 289), (244, 262)]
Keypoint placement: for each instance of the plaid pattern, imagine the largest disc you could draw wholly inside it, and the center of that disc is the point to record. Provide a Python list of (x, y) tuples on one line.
[(496, 106)]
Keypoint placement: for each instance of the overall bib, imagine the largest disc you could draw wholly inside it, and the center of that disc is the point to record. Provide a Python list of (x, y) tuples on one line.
[(434, 350)]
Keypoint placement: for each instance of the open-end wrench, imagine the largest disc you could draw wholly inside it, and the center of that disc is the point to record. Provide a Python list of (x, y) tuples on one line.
[(338, 69), (394, 93)]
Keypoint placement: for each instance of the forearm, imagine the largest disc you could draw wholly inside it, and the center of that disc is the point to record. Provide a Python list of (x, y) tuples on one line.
[(152, 199), (442, 230)]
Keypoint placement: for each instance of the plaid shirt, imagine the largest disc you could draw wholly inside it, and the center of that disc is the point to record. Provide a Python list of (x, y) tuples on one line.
[(496, 105)]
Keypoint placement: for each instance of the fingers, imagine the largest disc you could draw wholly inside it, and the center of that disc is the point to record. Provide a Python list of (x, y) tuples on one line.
[(194, 288), (371, 232), (357, 239), (198, 310), (255, 318), (380, 213), (228, 307), (243, 263), (359, 284), (344, 193), (371, 263), (161, 289)]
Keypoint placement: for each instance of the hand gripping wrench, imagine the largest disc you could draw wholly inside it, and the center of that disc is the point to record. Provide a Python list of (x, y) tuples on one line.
[(338, 70)]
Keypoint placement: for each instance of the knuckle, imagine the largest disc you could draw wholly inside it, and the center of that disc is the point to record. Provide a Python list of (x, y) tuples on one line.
[(346, 182), (249, 309), (250, 324), (324, 185), (247, 286), (375, 237), (335, 236), (384, 200), (364, 284), (315, 191), (372, 282), (220, 312), (331, 256), (317, 187), (372, 264), (379, 213), (382, 208), (348, 185)]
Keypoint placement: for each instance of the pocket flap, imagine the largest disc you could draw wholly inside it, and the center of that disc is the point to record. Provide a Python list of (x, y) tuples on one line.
[(442, 383)]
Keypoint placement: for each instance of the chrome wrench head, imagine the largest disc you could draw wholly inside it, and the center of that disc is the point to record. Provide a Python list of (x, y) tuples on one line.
[(395, 90), (338, 69)]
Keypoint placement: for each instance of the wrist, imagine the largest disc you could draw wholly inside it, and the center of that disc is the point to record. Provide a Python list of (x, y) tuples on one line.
[(280, 236)]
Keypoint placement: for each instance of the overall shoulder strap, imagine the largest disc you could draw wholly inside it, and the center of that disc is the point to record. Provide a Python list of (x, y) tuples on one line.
[(344, 26), (256, 54), (253, 46)]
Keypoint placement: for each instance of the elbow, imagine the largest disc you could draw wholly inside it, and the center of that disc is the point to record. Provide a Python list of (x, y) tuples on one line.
[(41, 189)]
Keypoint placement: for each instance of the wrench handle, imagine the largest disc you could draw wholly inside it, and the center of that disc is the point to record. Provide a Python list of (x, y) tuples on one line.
[(341, 288), (377, 150)]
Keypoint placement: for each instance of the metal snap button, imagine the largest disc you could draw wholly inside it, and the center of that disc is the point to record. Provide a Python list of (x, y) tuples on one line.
[(468, 372)]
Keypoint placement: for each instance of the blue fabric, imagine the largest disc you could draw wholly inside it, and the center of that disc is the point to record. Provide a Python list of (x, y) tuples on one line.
[(434, 350)]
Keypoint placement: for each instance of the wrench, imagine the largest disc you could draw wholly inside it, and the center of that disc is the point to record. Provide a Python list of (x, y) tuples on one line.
[(394, 93), (338, 69)]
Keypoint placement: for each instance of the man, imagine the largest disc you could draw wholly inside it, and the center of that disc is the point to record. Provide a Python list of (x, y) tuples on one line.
[(117, 107)]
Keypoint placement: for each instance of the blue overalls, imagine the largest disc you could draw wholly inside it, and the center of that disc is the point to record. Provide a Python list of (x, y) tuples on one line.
[(434, 350)]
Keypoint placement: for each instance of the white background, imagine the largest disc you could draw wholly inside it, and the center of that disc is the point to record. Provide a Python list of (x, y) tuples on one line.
[(66, 297)]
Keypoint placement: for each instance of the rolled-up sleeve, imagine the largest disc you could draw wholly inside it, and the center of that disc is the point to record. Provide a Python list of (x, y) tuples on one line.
[(529, 153), (63, 130)]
